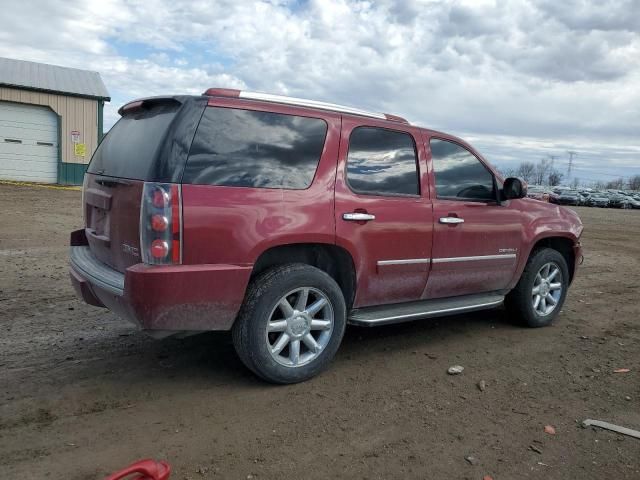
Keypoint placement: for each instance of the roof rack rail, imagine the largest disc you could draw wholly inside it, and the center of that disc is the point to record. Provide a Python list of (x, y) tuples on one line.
[(301, 102)]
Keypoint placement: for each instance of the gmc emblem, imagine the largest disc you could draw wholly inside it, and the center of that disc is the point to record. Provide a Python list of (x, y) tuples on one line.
[(130, 250)]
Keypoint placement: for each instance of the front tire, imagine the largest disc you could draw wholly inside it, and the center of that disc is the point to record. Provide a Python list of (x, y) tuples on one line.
[(541, 291), (291, 323)]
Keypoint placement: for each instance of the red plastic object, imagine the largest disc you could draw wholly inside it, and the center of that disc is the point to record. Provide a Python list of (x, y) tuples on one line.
[(147, 469)]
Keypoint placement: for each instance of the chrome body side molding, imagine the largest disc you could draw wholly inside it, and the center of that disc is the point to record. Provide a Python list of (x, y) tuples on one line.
[(404, 261), (408, 261), (477, 257)]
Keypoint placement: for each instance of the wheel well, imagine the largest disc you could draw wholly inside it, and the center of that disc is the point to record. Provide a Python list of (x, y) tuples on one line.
[(333, 260), (562, 245)]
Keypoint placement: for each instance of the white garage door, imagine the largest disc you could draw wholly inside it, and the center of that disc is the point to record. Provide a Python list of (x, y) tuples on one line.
[(28, 143)]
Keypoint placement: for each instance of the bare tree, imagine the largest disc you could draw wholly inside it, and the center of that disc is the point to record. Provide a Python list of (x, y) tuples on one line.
[(555, 177), (542, 171), (508, 172), (575, 183), (616, 184), (526, 171), (634, 182)]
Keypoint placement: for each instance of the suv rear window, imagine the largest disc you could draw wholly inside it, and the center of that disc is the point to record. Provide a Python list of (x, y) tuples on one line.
[(130, 148), (245, 148)]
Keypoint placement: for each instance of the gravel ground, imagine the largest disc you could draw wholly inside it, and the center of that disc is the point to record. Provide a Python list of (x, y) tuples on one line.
[(83, 394)]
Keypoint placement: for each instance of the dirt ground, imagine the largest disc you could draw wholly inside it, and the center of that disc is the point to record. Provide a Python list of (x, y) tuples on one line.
[(82, 393)]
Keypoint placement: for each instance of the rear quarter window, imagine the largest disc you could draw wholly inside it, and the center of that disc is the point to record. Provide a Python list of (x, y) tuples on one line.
[(245, 148)]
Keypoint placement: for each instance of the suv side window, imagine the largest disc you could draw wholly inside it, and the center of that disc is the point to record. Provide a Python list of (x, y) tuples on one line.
[(459, 174), (382, 162), (245, 148)]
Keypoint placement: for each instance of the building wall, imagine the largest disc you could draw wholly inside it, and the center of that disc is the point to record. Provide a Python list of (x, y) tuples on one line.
[(75, 113)]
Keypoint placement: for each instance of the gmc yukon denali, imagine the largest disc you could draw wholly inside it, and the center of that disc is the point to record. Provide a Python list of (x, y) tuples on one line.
[(284, 219)]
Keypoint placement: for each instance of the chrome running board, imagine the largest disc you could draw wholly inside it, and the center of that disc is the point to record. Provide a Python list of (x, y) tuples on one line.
[(404, 312)]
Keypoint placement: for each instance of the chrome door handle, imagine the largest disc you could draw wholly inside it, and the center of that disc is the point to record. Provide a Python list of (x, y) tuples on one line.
[(358, 217), (451, 220)]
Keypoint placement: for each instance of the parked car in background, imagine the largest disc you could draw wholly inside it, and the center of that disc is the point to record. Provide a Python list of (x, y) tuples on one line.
[(553, 197), (537, 193), (583, 197), (633, 203), (597, 200), (617, 201), (283, 220), (568, 197)]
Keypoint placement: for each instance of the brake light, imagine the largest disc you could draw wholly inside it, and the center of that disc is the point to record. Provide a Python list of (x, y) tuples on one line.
[(161, 224), (131, 106), (160, 199), (159, 249)]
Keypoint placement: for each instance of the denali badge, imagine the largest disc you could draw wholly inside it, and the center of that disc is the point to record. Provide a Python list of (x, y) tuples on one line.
[(130, 250), (507, 250)]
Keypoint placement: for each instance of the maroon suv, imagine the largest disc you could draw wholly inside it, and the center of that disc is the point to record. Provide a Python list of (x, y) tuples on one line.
[(284, 219)]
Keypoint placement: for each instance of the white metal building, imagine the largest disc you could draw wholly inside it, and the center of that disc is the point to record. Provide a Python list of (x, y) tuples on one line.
[(51, 121)]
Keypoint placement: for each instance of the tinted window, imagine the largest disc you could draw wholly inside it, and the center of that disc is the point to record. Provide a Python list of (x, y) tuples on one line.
[(243, 148), (382, 162), (129, 149), (459, 174)]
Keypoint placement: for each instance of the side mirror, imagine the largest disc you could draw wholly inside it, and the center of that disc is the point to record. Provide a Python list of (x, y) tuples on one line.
[(514, 188)]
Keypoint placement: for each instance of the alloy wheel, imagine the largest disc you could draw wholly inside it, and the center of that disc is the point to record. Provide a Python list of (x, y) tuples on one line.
[(547, 289), (299, 327)]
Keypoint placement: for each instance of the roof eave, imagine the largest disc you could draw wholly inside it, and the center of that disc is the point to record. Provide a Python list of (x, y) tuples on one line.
[(56, 92)]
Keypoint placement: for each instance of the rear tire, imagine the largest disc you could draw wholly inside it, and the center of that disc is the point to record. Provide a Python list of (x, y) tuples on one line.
[(541, 291), (291, 323)]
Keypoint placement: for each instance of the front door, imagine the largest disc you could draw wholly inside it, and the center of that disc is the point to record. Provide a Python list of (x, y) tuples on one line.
[(383, 212), (476, 240)]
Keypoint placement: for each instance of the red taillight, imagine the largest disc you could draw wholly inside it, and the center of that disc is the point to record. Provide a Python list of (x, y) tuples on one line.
[(160, 199), (160, 224), (175, 226), (159, 248)]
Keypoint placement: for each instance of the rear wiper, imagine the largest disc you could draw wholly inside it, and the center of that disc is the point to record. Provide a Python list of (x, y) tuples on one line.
[(111, 182)]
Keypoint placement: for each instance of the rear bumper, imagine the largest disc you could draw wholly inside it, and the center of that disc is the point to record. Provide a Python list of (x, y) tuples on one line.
[(166, 298)]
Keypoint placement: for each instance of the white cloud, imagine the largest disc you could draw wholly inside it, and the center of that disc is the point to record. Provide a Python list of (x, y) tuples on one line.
[(518, 76)]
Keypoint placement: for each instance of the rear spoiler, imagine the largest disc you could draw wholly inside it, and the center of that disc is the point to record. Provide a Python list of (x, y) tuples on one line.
[(146, 103)]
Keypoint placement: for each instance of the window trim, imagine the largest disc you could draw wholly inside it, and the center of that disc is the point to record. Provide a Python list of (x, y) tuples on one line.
[(383, 194), (494, 200), (229, 107)]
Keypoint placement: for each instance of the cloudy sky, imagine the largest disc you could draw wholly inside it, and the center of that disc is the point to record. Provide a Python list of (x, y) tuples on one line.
[(520, 80)]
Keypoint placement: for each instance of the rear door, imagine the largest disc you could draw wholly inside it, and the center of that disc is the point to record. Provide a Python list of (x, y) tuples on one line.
[(383, 212), (476, 241), (129, 155)]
